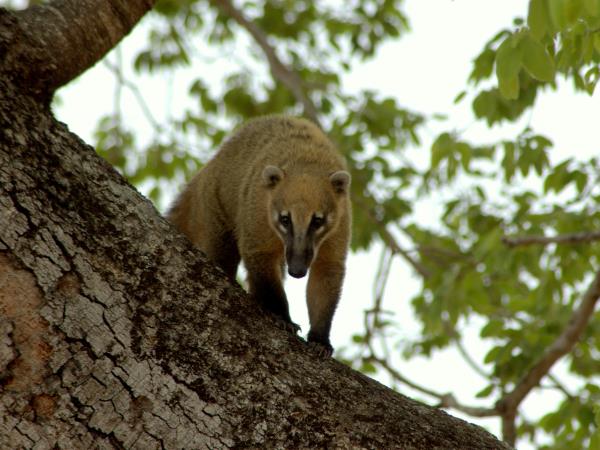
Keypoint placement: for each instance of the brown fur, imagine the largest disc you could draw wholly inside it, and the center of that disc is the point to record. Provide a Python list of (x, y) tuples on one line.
[(232, 210)]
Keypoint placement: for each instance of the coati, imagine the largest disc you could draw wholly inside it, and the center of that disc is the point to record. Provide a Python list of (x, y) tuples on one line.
[(275, 194)]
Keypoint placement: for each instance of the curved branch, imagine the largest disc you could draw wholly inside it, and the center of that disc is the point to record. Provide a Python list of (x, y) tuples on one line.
[(287, 77), (46, 46), (122, 81), (469, 359), (560, 347), (573, 238)]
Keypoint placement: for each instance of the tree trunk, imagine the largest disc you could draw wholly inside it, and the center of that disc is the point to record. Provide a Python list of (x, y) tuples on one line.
[(114, 331)]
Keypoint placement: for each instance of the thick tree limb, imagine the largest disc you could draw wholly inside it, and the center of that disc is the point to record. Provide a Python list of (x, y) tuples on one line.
[(574, 238), (287, 77), (46, 46)]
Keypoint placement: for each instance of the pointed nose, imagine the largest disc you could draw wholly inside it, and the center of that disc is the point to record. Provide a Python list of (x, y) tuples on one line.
[(297, 269)]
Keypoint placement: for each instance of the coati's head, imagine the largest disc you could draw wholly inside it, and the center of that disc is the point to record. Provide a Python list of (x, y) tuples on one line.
[(303, 210)]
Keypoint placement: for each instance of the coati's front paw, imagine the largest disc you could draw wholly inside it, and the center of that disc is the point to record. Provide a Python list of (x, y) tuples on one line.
[(321, 349), (320, 346)]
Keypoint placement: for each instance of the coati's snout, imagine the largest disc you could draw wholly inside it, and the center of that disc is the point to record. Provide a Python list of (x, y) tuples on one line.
[(299, 254)]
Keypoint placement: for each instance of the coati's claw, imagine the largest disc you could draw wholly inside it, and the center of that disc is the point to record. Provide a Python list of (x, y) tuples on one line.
[(321, 349), (288, 326)]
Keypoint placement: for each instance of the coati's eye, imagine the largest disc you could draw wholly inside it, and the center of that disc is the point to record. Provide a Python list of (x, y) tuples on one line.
[(317, 222), (284, 220)]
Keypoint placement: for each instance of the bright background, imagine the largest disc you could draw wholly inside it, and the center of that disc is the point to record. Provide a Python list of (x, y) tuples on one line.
[(424, 70)]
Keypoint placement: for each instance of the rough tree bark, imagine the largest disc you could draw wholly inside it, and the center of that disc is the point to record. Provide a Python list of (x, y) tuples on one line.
[(114, 331)]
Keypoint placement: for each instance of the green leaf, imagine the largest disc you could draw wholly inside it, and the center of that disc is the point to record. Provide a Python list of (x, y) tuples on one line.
[(536, 59), (573, 10), (441, 149), (595, 440), (358, 339), (558, 13), (537, 18), (483, 65), (493, 355), (368, 368), (459, 97), (493, 328), (485, 392), (591, 78), (508, 65), (592, 7)]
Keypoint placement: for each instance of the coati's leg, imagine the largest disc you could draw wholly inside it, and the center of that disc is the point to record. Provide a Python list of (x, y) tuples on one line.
[(222, 250), (265, 286), (322, 295)]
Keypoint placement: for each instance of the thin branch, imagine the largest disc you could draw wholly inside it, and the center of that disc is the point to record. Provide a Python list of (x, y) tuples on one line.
[(469, 360), (573, 238), (383, 271), (280, 71), (560, 347), (456, 338), (390, 240), (395, 248), (136, 93), (446, 400), (561, 387)]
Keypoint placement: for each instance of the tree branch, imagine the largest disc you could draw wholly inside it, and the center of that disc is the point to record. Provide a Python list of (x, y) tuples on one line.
[(467, 357), (446, 400), (46, 46), (573, 238), (395, 247), (390, 240), (280, 71), (122, 81), (561, 346)]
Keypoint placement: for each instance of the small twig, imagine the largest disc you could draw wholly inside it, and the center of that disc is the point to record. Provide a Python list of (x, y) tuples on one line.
[(287, 77), (395, 248), (573, 238), (136, 92), (469, 360), (118, 70), (451, 331), (558, 385)]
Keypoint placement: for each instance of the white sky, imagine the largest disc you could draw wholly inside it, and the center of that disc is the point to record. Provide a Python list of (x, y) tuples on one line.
[(424, 70)]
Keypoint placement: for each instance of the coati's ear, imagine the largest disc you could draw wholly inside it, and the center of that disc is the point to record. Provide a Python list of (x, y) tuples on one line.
[(340, 181), (272, 175)]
